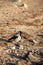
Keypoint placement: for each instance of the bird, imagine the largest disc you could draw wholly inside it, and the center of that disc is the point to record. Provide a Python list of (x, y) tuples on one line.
[(20, 35), (16, 37)]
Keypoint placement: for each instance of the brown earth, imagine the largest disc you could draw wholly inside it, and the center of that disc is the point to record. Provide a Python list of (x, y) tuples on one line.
[(21, 32)]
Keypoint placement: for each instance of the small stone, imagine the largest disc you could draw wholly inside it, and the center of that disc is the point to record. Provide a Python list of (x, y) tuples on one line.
[(6, 51), (35, 41), (13, 47), (21, 47), (25, 5), (17, 54)]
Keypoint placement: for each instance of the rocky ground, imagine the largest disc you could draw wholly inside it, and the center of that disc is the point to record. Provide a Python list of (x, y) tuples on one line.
[(21, 32)]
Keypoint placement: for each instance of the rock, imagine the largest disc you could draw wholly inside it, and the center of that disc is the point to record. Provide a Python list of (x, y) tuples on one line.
[(13, 48), (33, 58), (21, 47), (35, 41), (36, 63), (9, 63), (23, 5), (41, 52)]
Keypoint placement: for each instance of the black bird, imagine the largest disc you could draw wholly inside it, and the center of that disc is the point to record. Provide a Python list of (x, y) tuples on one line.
[(15, 36)]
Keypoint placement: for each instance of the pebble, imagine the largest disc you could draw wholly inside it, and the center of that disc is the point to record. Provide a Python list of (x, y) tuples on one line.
[(25, 5), (35, 41), (21, 47), (13, 48)]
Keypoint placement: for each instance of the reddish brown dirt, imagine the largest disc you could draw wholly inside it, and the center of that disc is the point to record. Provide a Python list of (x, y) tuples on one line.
[(25, 20)]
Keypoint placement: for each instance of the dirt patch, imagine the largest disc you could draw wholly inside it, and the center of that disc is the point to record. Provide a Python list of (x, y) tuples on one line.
[(21, 32)]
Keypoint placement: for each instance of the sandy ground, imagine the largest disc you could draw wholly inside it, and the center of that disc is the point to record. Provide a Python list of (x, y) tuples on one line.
[(21, 32)]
